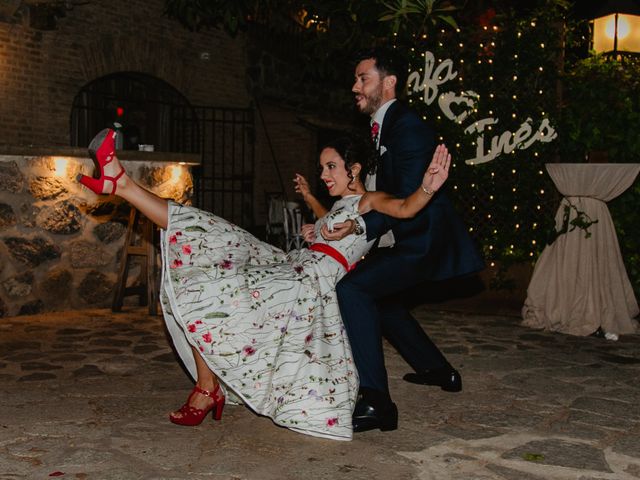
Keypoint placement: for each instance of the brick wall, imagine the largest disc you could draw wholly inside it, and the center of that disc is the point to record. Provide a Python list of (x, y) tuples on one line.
[(294, 146), (42, 71)]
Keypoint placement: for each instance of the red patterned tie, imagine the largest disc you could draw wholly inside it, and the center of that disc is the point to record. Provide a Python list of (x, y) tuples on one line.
[(375, 129)]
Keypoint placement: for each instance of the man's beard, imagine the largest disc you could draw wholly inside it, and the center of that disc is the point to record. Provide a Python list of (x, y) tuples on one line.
[(373, 102)]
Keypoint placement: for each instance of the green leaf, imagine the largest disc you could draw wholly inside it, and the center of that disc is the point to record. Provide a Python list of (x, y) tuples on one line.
[(194, 228), (533, 457)]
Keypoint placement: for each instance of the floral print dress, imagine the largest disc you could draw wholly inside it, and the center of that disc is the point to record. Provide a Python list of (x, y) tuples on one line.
[(266, 322)]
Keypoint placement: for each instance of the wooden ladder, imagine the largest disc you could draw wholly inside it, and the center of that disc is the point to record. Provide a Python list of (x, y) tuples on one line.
[(140, 241)]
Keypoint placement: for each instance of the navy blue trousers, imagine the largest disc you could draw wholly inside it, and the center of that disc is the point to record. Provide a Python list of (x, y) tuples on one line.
[(371, 307)]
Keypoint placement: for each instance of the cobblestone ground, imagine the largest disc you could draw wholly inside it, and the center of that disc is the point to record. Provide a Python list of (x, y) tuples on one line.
[(85, 395)]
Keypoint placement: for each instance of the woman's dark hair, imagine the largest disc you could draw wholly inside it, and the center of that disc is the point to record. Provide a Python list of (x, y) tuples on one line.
[(354, 148), (389, 61)]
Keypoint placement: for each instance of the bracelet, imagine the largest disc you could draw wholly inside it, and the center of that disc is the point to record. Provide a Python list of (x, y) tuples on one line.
[(427, 191)]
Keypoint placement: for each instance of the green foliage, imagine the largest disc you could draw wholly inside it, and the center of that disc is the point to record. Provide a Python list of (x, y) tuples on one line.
[(232, 15), (523, 59), (414, 17), (581, 220), (510, 59), (625, 211), (408, 16), (601, 110)]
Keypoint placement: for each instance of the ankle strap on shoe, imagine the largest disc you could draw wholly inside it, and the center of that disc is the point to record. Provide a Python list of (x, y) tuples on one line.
[(207, 392)]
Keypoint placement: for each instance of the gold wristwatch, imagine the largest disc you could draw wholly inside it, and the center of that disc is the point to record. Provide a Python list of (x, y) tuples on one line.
[(358, 230)]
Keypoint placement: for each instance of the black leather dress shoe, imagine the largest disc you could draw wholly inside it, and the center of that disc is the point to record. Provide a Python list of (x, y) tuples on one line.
[(367, 417), (447, 378)]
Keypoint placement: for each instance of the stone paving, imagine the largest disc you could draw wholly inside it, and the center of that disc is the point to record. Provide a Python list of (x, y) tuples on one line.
[(85, 395)]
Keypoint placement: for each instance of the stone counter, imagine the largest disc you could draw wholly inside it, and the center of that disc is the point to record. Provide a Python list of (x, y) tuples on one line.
[(60, 244), (128, 155)]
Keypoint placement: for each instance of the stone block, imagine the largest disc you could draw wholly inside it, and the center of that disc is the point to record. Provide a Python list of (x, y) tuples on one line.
[(88, 254), (28, 214), (32, 252), (7, 215), (56, 287), (96, 289), (11, 179), (19, 285), (109, 232), (44, 188), (561, 453), (63, 218)]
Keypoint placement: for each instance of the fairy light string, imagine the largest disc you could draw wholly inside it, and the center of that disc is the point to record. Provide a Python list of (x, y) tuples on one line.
[(508, 202)]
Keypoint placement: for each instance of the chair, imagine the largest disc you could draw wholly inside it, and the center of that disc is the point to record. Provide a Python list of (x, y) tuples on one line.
[(274, 229), (141, 240), (292, 214)]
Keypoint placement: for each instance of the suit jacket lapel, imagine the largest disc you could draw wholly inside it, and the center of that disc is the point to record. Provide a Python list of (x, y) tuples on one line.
[(384, 160), (388, 121)]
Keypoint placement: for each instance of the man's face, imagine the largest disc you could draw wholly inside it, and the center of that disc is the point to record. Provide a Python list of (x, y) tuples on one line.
[(368, 87)]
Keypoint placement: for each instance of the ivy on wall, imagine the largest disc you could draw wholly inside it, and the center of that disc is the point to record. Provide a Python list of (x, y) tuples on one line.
[(510, 61)]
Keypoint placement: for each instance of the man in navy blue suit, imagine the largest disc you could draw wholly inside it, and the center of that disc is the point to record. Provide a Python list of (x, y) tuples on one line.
[(432, 246)]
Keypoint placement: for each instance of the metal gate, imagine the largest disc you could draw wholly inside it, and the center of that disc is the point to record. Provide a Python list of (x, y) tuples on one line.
[(224, 181), (225, 138), (153, 112)]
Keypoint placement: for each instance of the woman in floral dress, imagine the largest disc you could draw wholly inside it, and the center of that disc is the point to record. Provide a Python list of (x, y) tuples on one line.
[(250, 321)]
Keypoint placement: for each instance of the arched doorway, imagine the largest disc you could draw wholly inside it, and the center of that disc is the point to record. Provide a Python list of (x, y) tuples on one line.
[(150, 111)]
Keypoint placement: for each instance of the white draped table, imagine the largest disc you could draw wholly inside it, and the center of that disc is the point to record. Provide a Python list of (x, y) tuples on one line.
[(580, 284)]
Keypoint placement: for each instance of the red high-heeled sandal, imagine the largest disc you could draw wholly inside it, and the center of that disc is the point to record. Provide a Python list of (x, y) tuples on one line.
[(102, 150), (192, 416)]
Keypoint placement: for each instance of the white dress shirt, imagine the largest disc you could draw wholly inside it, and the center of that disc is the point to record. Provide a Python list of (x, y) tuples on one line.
[(387, 239)]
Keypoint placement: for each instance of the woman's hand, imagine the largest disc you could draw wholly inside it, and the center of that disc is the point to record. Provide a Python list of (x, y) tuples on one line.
[(302, 186), (438, 170), (308, 232)]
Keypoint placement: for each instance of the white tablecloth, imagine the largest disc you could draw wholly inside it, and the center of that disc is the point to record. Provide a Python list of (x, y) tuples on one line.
[(578, 283)]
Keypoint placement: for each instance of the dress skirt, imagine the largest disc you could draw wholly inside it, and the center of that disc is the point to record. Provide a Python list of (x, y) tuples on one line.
[(266, 322)]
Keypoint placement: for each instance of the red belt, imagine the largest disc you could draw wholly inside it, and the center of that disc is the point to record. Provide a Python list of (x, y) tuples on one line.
[(333, 253)]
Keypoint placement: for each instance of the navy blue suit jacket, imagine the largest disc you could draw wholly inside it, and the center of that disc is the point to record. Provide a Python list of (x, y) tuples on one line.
[(435, 239)]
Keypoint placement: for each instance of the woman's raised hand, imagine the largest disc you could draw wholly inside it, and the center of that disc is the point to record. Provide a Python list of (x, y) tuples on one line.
[(302, 186), (438, 170)]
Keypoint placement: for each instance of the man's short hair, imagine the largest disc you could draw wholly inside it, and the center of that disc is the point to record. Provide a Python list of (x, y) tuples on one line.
[(389, 61)]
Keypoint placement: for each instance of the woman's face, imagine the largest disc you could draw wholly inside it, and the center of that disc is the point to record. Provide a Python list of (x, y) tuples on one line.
[(334, 173)]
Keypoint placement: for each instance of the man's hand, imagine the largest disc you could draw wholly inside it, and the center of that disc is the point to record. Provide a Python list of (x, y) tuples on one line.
[(340, 230), (308, 232)]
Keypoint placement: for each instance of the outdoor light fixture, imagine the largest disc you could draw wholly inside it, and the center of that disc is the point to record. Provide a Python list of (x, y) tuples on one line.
[(616, 25), (616, 33)]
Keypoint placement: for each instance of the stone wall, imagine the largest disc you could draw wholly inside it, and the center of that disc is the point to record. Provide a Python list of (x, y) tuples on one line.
[(61, 244)]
